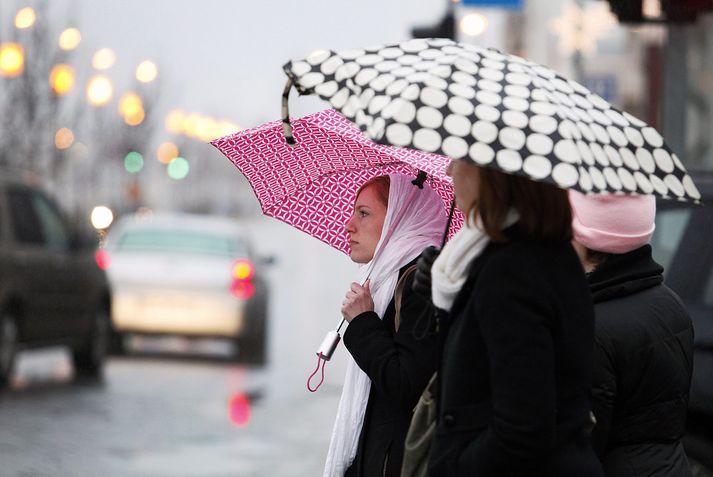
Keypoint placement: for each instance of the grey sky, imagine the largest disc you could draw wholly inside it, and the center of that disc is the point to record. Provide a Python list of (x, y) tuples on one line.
[(224, 58)]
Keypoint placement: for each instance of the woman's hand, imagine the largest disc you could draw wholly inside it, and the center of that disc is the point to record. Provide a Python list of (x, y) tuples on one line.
[(357, 301)]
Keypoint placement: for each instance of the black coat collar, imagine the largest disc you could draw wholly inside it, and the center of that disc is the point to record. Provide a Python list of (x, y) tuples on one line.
[(625, 274)]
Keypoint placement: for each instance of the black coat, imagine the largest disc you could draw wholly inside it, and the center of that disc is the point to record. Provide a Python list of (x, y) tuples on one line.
[(399, 366), (516, 369), (642, 370)]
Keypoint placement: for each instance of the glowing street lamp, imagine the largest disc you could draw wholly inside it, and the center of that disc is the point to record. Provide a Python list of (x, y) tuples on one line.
[(25, 18), (146, 71), (167, 152), (69, 39), (104, 59), (62, 79), (174, 121), (12, 60), (99, 90), (64, 138), (131, 108), (227, 127), (474, 24), (101, 217)]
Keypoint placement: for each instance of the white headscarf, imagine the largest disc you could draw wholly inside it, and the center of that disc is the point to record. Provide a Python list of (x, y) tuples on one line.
[(415, 219)]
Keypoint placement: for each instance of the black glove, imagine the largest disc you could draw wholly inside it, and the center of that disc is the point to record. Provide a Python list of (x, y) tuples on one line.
[(422, 276)]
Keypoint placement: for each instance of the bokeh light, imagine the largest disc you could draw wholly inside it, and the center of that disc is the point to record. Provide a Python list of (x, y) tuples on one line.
[(12, 60), (474, 24), (69, 39), (131, 108), (167, 152), (133, 162), (178, 169), (101, 217), (146, 71), (135, 118), (63, 138), (78, 152), (99, 90), (25, 18), (226, 128), (199, 126), (104, 59), (174, 121), (62, 79), (239, 409)]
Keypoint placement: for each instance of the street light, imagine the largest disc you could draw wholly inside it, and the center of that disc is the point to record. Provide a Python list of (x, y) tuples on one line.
[(167, 152), (474, 24), (99, 90), (62, 79), (69, 39), (131, 108), (25, 18), (104, 59), (174, 121), (101, 217), (64, 138), (146, 71), (12, 60)]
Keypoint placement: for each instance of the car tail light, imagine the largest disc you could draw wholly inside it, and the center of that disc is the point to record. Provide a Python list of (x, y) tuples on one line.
[(243, 270), (239, 409), (102, 258), (243, 289)]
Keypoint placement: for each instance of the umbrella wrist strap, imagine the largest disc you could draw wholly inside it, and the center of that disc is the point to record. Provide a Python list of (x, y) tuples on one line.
[(320, 361)]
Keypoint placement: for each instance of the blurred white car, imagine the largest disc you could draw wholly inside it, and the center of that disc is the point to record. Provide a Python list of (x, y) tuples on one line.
[(187, 275)]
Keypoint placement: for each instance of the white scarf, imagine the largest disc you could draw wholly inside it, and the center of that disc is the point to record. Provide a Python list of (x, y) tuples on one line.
[(415, 219), (450, 269)]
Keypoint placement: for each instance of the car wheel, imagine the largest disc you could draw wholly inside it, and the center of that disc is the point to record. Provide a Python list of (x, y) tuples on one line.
[(8, 347), (89, 358), (117, 345), (252, 344)]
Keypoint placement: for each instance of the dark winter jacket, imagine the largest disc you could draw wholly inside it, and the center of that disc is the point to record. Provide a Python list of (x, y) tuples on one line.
[(516, 370), (399, 365), (642, 370)]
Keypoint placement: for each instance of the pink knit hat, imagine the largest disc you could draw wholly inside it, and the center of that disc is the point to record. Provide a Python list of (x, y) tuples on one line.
[(612, 223)]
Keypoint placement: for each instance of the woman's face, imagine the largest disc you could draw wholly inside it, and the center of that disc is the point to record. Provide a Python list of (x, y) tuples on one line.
[(364, 226), (466, 183)]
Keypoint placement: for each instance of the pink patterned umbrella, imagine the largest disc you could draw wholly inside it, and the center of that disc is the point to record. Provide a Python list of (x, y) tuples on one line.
[(312, 186)]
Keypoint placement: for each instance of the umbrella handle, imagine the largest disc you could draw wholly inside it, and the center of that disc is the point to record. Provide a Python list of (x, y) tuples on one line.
[(286, 126)]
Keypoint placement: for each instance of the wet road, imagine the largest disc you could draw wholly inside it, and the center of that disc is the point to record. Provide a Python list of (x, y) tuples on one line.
[(159, 416), (167, 410)]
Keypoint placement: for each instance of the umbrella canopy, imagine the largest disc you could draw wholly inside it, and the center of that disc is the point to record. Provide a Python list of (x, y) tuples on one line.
[(497, 110), (312, 185)]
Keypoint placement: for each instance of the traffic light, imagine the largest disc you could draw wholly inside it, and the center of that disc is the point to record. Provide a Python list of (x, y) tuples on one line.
[(673, 11), (445, 28)]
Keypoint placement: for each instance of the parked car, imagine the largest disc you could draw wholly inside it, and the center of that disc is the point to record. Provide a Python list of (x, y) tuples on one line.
[(683, 244), (51, 290), (188, 275)]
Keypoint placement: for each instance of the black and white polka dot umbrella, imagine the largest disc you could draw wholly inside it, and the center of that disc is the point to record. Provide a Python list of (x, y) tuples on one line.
[(498, 110)]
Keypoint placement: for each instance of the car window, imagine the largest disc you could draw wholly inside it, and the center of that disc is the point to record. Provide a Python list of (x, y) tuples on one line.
[(177, 241), (25, 222), (54, 230), (670, 225)]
